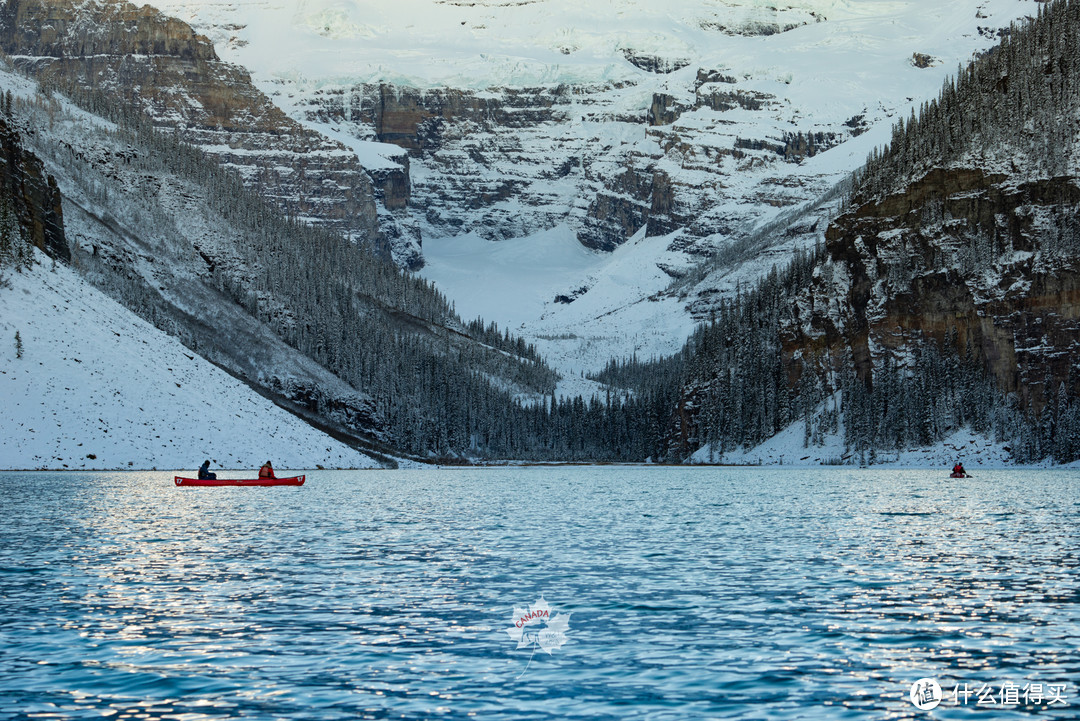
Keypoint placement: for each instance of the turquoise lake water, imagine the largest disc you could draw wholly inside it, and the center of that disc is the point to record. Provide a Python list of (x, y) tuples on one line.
[(682, 593)]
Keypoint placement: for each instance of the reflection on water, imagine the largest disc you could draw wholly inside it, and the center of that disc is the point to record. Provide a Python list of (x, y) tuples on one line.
[(696, 593)]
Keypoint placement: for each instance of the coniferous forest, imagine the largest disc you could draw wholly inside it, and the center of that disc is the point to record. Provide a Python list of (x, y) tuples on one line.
[(1012, 111)]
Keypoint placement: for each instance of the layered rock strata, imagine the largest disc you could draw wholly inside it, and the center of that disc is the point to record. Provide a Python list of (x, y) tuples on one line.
[(160, 66), (506, 162), (962, 257)]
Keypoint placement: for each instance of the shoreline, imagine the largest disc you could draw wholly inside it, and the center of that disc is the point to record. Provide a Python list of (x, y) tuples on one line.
[(565, 464)]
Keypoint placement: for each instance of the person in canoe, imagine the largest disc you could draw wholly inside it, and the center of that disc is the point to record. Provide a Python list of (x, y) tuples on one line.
[(267, 471), (958, 470), (205, 474)]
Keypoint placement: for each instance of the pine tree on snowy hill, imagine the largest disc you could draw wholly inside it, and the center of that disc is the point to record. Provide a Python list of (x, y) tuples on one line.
[(1017, 104)]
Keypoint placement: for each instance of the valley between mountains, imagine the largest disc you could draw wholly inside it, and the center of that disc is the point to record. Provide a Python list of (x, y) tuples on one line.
[(474, 232)]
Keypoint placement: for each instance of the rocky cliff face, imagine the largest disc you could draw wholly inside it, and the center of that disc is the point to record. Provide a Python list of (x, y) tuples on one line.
[(962, 257), (34, 194), (159, 65), (506, 162), (695, 121)]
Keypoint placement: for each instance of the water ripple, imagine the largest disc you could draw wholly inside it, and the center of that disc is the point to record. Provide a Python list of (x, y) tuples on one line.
[(692, 593)]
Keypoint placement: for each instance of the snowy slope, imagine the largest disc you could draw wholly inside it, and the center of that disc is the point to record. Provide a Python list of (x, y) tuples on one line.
[(788, 448), (822, 63), (99, 388), (603, 309), (496, 43)]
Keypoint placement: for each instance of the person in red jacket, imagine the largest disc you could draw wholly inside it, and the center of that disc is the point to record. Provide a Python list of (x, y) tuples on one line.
[(958, 470), (267, 471)]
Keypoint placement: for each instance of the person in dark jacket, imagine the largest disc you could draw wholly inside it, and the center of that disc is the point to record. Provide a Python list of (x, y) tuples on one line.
[(205, 474), (267, 471)]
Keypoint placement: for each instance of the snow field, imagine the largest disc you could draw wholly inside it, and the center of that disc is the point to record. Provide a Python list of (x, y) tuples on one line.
[(515, 283)]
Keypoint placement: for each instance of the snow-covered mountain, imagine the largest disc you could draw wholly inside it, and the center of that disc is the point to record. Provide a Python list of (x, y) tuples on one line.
[(91, 385), (320, 324), (596, 178), (86, 383), (120, 58), (944, 299), (676, 125)]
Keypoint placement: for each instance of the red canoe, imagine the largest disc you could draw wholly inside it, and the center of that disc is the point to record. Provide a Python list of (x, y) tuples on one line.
[(294, 481)]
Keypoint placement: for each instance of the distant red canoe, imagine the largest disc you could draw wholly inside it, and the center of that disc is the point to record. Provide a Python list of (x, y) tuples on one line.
[(294, 481)]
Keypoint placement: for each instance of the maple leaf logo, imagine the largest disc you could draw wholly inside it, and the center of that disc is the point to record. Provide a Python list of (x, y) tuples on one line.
[(536, 627)]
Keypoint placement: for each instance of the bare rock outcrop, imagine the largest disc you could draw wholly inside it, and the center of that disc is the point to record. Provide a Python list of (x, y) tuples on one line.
[(506, 162), (961, 257), (34, 195)]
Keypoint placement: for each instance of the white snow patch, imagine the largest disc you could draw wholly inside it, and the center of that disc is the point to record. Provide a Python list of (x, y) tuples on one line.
[(787, 448), (615, 310), (510, 281)]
